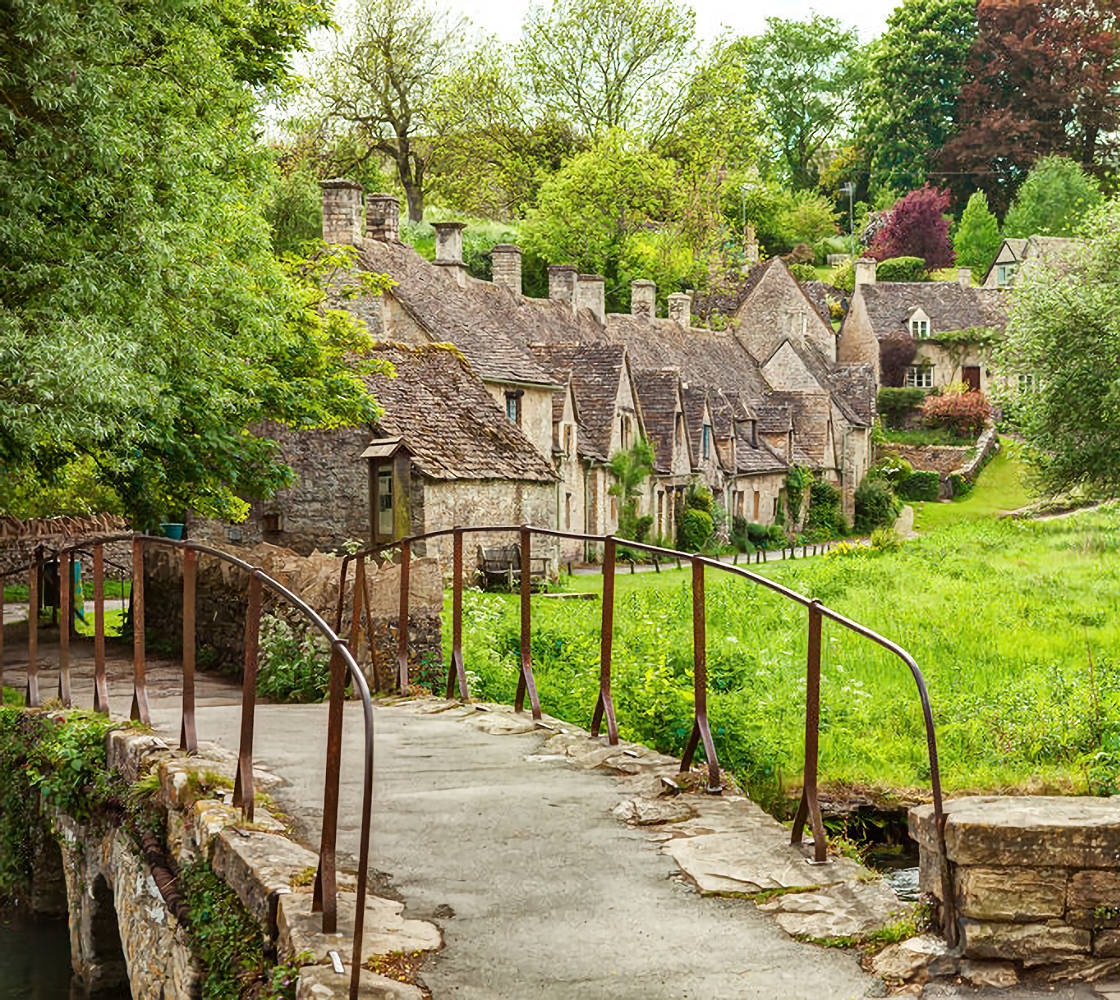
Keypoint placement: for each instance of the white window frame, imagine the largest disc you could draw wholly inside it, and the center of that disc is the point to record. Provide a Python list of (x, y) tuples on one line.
[(919, 328), (919, 377)]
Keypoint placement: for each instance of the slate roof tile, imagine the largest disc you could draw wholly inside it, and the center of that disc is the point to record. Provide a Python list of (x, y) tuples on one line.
[(949, 305)]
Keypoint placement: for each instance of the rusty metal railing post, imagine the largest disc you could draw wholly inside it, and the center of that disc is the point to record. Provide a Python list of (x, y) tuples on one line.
[(32, 690), (243, 787), (402, 621), (100, 682), (526, 683), (456, 670), (325, 898), (701, 731), (188, 733), (65, 582), (1, 639), (604, 706), (356, 614), (809, 806), (140, 711)]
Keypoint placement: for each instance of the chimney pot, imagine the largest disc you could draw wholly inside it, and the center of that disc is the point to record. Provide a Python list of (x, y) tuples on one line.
[(591, 294), (643, 298), (562, 284), (680, 309), (342, 211), (865, 271), (383, 218), (964, 276), (505, 259), (449, 242)]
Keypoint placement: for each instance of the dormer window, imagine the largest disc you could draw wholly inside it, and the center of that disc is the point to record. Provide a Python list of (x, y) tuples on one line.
[(1004, 274), (706, 441), (919, 326)]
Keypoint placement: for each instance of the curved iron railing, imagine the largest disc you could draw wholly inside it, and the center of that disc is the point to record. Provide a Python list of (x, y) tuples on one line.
[(808, 810), (342, 662)]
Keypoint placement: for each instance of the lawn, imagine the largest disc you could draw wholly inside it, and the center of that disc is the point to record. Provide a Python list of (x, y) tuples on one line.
[(1000, 487), (1012, 623)]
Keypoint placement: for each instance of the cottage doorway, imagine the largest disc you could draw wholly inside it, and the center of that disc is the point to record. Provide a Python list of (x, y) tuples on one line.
[(971, 377)]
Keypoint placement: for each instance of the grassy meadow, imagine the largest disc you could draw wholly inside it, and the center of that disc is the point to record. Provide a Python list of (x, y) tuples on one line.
[(1000, 487), (1012, 622)]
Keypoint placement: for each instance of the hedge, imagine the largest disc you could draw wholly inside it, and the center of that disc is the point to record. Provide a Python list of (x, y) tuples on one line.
[(920, 485), (895, 403), (902, 269)]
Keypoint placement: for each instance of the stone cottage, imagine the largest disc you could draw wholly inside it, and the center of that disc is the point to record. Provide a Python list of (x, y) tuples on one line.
[(949, 324), (1014, 253)]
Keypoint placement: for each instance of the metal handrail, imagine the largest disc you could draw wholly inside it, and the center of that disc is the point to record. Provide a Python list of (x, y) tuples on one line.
[(808, 810), (342, 662)]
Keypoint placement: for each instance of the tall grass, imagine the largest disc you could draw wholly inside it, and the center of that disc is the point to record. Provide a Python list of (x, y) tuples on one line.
[(1012, 623)]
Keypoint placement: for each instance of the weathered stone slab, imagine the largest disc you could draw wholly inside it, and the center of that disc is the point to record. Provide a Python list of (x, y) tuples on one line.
[(1093, 899), (915, 958), (1026, 831), (999, 975), (650, 812), (844, 910), (321, 982), (255, 865), (1011, 894), (1106, 944), (1032, 944), (501, 724)]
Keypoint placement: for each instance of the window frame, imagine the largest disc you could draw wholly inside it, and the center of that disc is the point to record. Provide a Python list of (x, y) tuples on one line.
[(918, 377)]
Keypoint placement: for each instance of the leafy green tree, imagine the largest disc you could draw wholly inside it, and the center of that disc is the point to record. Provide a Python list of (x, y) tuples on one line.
[(782, 218), (806, 76), (608, 64), (1065, 335), (915, 73), (977, 239), (630, 468), (145, 325), (1053, 201)]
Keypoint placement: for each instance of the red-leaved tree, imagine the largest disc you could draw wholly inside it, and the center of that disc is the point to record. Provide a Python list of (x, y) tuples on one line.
[(917, 227), (1043, 77)]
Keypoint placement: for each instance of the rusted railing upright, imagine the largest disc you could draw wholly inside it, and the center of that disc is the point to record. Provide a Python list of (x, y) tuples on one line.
[(243, 786), (65, 620), (809, 808), (526, 683), (32, 690), (604, 704), (325, 898), (139, 712), (402, 621), (188, 731), (100, 682), (701, 730), (456, 670)]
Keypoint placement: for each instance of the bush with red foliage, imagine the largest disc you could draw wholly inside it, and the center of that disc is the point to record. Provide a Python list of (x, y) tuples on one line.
[(917, 227), (963, 413)]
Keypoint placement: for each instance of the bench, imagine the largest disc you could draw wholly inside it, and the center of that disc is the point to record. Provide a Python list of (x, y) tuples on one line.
[(500, 566)]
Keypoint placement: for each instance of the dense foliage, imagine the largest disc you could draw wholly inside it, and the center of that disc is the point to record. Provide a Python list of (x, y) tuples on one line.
[(917, 227), (902, 269), (977, 239), (963, 413), (1054, 200)]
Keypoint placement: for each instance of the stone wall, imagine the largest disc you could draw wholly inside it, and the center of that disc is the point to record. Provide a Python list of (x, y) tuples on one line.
[(1036, 879), (19, 540)]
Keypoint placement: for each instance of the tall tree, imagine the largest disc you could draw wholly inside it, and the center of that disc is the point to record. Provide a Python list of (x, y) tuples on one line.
[(915, 72), (608, 64), (145, 325), (378, 82), (977, 239), (1044, 77), (1065, 334), (806, 76), (917, 227), (1053, 201)]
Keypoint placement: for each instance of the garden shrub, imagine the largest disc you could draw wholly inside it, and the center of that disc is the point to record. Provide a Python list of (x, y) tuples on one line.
[(895, 403), (757, 533), (961, 486), (694, 530), (962, 413), (825, 518), (294, 666), (797, 481), (885, 539), (803, 272), (920, 485), (844, 277), (642, 526), (902, 269), (802, 253), (698, 497), (876, 504), (891, 468)]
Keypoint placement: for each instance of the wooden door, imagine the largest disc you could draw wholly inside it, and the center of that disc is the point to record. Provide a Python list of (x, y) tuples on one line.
[(971, 375)]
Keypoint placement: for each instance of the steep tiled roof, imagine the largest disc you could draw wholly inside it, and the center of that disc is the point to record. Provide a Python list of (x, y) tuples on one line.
[(447, 420), (855, 385), (1016, 246), (657, 392), (695, 399), (750, 460), (820, 293), (810, 413), (949, 305), (727, 300), (774, 417), (595, 371), (1049, 247)]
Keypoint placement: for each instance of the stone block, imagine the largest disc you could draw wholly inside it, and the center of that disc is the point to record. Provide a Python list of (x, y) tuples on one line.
[(1011, 894), (321, 982), (929, 873), (1106, 944), (915, 958), (255, 865), (1093, 899), (1032, 944), (846, 910), (997, 975)]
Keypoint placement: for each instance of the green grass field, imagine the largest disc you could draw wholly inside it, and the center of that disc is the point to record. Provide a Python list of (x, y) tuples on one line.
[(1012, 623), (1000, 487)]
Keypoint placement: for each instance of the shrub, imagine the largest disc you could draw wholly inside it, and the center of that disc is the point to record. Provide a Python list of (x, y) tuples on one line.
[(902, 269), (294, 666), (803, 272), (895, 403), (757, 533), (642, 526), (844, 277), (920, 485), (694, 529), (876, 505), (892, 469), (885, 539), (961, 486), (802, 253), (698, 497), (963, 413), (825, 518)]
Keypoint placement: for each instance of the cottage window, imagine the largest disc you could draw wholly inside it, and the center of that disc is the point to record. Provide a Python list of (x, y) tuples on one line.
[(679, 433), (385, 503), (1026, 382), (624, 431), (706, 440), (660, 512), (513, 406), (567, 512), (567, 439), (1004, 274), (919, 328), (919, 377)]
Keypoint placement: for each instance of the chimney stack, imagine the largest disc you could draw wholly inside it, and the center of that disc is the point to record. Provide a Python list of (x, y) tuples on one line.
[(449, 248), (591, 294), (964, 276), (342, 211), (562, 284), (751, 253), (506, 266), (643, 298), (680, 309), (383, 218), (865, 271)]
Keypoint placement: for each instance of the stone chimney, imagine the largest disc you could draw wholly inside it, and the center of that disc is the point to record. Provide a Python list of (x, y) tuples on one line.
[(865, 271), (383, 218), (591, 294), (643, 298), (506, 265), (751, 252), (680, 309), (964, 276), (562, 284), (449, 248), (342, 211)]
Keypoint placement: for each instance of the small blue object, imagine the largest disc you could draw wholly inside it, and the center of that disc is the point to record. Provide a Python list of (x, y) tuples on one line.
[(174, 531)]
